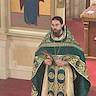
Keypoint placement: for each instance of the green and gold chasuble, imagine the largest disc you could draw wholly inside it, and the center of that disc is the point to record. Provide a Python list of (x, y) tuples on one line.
[(53, 80)]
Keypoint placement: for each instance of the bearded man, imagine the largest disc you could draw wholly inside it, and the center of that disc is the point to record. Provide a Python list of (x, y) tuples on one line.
[(59, 66)]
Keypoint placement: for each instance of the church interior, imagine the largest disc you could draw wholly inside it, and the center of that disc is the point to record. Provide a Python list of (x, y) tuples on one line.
[(20, 36)]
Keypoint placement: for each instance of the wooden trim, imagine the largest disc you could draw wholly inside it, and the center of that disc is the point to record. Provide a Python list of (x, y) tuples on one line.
[(86, 26), (52, 8), (87, 3)]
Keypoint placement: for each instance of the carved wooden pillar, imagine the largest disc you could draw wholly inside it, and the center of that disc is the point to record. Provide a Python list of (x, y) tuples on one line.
[(87, 3), (86, 32)]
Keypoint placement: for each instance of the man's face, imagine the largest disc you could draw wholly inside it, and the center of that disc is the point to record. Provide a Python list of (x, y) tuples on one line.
[(56, 26)]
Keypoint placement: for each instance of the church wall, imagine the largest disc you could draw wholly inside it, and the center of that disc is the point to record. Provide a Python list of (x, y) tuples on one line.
[(17, 54), (21, 55), (3, 42), (3, 57)]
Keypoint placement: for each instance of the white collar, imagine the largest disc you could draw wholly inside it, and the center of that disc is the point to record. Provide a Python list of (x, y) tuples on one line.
[(59, 38)]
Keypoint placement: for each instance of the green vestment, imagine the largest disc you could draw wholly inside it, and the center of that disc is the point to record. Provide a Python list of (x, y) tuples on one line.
[(67, 49)]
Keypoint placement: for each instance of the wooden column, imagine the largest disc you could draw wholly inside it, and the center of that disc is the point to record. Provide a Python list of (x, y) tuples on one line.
[(86, 32), (87, 3)]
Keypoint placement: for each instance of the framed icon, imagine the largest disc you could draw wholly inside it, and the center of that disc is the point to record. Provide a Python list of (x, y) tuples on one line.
[(43, 19)]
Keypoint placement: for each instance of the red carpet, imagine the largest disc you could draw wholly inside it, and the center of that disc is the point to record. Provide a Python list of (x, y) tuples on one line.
[(15, 87), (91, 65)]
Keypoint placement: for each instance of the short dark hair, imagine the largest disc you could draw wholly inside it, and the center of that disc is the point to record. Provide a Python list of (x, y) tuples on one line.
[(58, 18)]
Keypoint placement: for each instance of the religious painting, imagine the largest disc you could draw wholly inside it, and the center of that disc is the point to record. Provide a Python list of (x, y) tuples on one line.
[(31, 13)]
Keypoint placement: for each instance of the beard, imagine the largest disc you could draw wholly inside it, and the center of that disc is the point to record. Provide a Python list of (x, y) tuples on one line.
[(56, 32)]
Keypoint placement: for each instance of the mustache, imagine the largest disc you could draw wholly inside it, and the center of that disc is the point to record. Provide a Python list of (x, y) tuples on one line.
[(53, 30)]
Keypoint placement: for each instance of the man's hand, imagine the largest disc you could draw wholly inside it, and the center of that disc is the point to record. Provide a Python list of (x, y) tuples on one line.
[(48, 61), (60, 62)]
